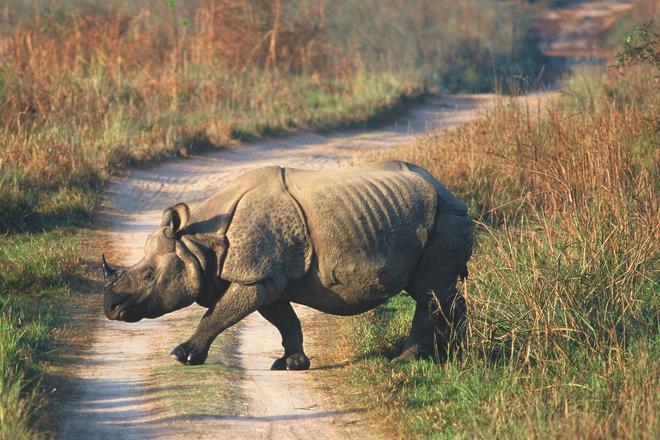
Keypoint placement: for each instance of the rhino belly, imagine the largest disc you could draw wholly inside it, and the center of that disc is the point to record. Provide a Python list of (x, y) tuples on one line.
[(358, 297)]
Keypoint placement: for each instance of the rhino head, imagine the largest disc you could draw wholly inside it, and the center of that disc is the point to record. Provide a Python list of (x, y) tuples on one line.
[(168, 277)]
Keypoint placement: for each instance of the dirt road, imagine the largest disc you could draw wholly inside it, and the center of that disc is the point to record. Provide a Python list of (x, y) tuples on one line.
[(576, 35), (579, 30), (119, 395)]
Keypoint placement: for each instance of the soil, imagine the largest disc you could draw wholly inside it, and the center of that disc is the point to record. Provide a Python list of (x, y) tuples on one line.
[(579, 30), (576, 35)]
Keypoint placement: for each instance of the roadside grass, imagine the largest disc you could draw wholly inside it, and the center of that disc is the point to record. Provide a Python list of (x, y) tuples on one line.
[(563, 293), (32, 289)]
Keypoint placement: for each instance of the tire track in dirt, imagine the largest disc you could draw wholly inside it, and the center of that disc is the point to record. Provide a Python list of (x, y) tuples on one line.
[(117, 395)]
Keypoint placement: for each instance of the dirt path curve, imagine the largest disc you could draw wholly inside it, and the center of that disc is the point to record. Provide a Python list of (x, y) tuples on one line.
[(118, 396), (576, 35)]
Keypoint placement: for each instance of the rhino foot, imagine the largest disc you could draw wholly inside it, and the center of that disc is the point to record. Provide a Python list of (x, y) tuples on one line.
[(297, 361), (187, 354), (403, 359)]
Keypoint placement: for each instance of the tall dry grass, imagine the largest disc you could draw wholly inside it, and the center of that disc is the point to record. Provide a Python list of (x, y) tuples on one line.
[(88, 87), (563, 288)]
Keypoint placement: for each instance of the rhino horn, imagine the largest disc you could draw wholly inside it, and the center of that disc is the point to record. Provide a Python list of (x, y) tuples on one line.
[(110, 274)]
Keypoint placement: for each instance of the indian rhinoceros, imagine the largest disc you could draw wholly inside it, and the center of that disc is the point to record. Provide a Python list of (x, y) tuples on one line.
[(340, 241)]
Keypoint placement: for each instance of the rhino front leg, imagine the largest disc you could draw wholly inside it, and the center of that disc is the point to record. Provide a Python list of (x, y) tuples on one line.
[(282, 316), (237, 302)]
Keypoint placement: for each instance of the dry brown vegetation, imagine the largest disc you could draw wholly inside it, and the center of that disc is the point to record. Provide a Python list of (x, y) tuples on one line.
[(87, 87), (563, 287)]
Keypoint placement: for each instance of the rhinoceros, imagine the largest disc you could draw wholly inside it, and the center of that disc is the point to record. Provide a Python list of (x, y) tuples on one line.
[(341, 241)]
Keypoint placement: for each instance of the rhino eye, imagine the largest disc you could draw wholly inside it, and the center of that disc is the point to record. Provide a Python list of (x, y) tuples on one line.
[(148, 276)]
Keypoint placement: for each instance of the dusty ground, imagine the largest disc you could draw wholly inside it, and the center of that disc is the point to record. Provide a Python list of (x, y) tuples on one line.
[(576, 35), (579, 30)]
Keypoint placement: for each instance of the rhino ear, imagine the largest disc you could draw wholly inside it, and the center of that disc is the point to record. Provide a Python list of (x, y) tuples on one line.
[(176, 217)]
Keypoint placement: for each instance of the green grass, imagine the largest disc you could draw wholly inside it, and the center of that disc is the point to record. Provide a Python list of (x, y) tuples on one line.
[(33, 264), (474, 398), (33, 292)]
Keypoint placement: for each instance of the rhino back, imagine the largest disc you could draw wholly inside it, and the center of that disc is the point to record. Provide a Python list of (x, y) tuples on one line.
[(447, 202), (368, 224), (251, 230)]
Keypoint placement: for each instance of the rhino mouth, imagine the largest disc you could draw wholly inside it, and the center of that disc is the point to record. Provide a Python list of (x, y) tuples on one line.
[(123, 312), (128, 317)]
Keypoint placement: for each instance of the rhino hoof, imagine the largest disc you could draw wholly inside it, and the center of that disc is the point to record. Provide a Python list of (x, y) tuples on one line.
[(279, 364), (412, 354), (187, 355), (400, 360), (179, 353), (297, 361)]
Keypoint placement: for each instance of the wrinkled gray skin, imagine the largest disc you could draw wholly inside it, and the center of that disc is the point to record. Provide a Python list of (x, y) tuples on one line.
[(341, 241)]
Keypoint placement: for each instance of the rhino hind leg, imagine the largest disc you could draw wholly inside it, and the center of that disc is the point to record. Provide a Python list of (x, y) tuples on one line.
[(282, 316), (439, 321)]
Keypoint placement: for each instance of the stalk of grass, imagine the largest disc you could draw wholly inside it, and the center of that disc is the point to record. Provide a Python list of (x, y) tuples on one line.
[(14, 408)]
